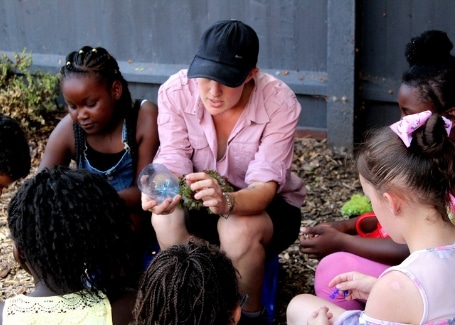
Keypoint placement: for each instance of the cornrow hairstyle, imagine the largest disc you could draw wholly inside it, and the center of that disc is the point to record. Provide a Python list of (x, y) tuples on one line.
[(431, 68), (97, 62), (73, 230), (424, 172), (188, 284), (15, 160)]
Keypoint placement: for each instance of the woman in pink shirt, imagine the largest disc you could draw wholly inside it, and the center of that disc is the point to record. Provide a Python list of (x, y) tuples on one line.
[(224, 114)]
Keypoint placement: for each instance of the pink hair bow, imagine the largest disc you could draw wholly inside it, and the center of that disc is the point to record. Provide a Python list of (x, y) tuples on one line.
[(406, 126), (451, 209)]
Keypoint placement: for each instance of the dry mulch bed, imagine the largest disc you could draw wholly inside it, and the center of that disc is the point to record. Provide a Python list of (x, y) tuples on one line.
[(330, 181)]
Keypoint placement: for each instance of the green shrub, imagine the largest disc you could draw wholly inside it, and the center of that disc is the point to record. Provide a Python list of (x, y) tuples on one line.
[(29, 97)]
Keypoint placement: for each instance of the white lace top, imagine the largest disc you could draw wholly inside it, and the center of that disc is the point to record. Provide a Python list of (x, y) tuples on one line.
[(73, 308)]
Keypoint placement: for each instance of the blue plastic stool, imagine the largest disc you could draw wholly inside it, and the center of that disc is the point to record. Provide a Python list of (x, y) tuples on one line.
[(270, 287)]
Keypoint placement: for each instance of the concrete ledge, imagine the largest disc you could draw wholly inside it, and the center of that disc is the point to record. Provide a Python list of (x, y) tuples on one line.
[(312, 133), (146, 77), (311, 83)]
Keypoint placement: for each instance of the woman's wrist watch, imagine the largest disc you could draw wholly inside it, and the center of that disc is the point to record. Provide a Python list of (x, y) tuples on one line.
[(230, 205)]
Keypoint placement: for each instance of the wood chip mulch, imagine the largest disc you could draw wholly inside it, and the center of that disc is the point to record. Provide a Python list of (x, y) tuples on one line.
[(330, 180)]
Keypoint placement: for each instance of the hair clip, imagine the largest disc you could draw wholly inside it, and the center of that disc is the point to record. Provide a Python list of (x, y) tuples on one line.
[(336, 292), (68, 63), (94, 50), (451, 208), (81, 51)]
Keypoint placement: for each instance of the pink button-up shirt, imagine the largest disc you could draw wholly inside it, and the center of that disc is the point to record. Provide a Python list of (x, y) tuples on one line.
[(260, 146)]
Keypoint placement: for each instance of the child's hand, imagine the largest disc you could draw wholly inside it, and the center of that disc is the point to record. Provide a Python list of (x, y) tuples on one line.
[(167, 207), (322, 316), (356, 285), (320, 240)]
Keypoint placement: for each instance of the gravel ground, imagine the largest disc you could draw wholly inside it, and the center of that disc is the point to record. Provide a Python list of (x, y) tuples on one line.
[(330, 181)]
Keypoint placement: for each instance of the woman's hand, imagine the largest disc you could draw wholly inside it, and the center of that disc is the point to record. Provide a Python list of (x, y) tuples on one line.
[(208, 190), (166, 207)]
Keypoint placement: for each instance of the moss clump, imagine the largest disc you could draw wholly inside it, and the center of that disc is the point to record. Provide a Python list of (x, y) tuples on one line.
[(188, 201)]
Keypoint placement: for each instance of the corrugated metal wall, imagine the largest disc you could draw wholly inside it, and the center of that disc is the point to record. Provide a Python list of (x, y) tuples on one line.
[(384, 28), (343, 58)]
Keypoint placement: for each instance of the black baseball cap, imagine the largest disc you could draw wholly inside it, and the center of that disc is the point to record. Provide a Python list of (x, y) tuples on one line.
[(227, 53)]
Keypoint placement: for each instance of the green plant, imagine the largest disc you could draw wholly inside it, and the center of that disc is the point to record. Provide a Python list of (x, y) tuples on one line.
[(29, 97), (356, 205), (187, 194)]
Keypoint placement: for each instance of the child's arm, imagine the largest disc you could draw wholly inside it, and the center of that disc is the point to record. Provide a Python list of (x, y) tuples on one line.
[(324, 239), (395, 298), (60, 145), (148, 142)]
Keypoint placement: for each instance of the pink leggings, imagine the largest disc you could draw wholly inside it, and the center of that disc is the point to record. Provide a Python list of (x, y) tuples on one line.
[(341, 262)]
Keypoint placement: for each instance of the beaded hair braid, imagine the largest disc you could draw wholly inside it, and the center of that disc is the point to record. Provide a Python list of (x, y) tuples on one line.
[(97, 62), (72, 228), (188, 284), (15, 158)]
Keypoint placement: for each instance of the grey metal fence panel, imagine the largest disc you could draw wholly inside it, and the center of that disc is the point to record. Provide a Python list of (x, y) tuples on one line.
[(292, 32), (341, 73), (154, 38), (385, 27), (324, 49)]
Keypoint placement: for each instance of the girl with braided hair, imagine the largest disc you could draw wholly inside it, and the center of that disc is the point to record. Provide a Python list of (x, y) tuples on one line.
[(407, 171), (193, 283), (430, 79), (70, 231), (427, 84), (15, 160), (104, 130)]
